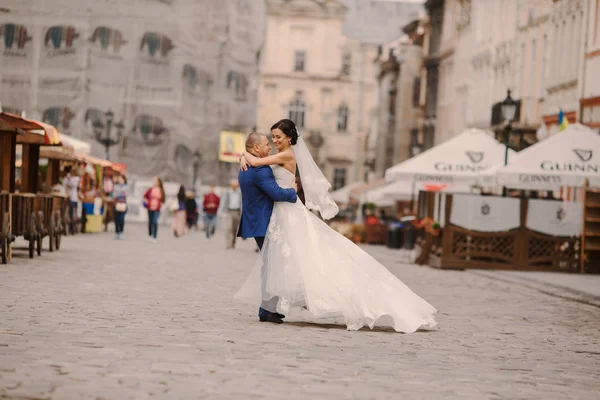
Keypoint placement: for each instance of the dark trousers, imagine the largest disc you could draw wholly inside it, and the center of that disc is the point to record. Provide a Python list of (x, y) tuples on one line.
[(210, 222), (72, 209), (271, 304), (153, 223), (119, 221), (72, 214), (260, 241)]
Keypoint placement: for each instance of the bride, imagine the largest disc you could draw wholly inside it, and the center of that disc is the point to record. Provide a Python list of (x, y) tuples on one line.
[(309, 265)]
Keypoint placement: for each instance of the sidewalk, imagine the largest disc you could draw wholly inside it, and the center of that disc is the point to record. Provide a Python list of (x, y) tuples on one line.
[(584, 288)]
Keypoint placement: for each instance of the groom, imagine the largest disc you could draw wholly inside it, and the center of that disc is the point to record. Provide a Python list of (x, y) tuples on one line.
[(259, 192)]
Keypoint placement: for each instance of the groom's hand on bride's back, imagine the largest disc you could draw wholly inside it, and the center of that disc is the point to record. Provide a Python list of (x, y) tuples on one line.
[(295, 186)]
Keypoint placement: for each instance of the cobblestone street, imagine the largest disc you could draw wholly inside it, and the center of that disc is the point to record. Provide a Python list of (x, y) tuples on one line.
[(105, 319)]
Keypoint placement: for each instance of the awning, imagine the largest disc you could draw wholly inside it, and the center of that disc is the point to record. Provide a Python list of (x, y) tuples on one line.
[(78, 146), (6, 127), (92, 160), (54, 153), (565, 159), (464, 158), (51, 135), (342, 195), (386, 195), (19, 123), (357, 192)]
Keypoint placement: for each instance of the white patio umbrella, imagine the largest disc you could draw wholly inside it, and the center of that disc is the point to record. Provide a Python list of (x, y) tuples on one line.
[(462, 159), (565, 159)]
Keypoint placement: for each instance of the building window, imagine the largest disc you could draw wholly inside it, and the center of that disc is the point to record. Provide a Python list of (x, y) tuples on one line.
[(346, 63), (296, 112), (299, 60), (339, 178), (342, 119)]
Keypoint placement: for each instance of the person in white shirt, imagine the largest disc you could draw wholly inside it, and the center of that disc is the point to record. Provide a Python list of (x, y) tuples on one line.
[(71, 183), (232, 204)]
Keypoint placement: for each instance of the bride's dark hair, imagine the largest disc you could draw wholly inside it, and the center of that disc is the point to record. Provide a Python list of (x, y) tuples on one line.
[(288, 127)]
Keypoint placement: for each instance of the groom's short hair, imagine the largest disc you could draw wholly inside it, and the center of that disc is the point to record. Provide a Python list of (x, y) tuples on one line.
[(253, 138)]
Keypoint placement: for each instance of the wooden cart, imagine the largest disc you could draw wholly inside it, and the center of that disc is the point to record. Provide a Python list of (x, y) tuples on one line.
[(28, 213), (23, 220), (56, 214), (60, 219), (5, 231), (11, 127)]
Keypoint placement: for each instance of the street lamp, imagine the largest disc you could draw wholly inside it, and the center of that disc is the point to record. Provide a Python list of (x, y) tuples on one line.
[(508, 108), (109, 120), (107, 140)]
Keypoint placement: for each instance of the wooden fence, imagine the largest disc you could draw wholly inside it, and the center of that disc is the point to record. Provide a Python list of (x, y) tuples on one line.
[(517, 249)]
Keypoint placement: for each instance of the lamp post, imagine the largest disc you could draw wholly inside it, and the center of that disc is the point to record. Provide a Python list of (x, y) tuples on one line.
[(105, 137), (508, 108), (109, 121)]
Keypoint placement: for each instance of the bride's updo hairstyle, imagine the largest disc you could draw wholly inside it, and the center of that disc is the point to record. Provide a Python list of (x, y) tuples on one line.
[(288, 128)]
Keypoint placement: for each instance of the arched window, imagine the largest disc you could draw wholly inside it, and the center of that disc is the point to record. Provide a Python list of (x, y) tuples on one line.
[(342, 118), (296, 112)]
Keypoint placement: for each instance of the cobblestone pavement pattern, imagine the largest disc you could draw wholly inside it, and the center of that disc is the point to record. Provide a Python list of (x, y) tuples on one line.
[(105, 319)]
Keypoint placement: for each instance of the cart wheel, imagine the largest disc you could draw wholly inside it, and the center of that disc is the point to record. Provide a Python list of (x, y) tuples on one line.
[(31, 235), (41, 228), (4, 237), (58, 232), (51, 233), (3, 248), (67, 224)]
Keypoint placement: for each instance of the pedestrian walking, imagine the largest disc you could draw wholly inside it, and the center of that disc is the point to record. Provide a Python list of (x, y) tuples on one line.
[(232, 203), (179, 214), (154, 198), (211, 207), (191, 210), (120, 205)]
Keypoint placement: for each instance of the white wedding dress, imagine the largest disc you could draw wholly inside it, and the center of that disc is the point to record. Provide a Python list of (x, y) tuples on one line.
[(308, 264)]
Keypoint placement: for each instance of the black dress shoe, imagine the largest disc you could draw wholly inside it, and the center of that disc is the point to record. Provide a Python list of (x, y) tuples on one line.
[(271, 318), (279, 315)]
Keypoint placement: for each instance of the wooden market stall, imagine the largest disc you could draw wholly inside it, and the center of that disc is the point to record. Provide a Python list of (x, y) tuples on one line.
[(58, 220), (8, 135), (28, 210), (92, 192)]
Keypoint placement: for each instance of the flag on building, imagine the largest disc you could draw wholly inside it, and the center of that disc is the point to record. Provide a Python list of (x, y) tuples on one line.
[(563, 121)]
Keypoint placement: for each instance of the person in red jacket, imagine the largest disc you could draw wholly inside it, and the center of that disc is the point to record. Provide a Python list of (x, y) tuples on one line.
[(211, 206), (154, 198)]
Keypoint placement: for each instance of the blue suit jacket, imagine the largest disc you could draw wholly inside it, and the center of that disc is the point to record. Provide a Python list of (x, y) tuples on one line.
[(259, 192)]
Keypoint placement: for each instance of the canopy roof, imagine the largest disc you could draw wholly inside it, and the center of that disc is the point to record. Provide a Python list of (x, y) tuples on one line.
[(342, 195), (461, 159), (565, 159), (51, 135), (92, 160), (78, 146)]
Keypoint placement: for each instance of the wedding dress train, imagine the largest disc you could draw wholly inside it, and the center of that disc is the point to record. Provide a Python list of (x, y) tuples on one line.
[(308, 264)]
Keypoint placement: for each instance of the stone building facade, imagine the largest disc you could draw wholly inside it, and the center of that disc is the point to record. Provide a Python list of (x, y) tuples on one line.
[(399, 90), (173, 73), (318, 70)]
